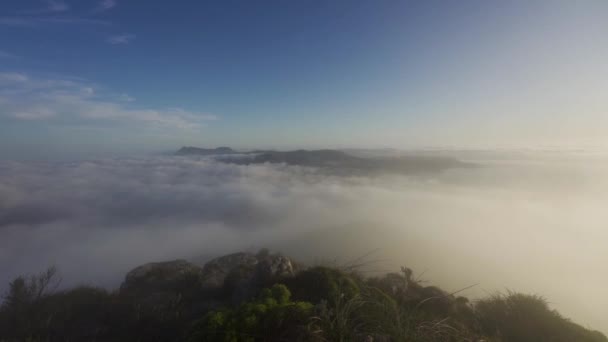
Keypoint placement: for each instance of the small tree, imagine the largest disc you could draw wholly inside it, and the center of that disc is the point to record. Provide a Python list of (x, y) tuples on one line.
[(22, 308)]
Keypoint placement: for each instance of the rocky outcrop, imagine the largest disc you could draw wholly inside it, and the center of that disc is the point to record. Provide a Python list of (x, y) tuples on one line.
[(261, 265), (235, 277), (160, 276), (241, 275), (215, 271), (170, 286), (276, 266)]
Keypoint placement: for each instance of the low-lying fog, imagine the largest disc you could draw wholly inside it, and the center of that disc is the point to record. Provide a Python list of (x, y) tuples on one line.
[(534, 222)]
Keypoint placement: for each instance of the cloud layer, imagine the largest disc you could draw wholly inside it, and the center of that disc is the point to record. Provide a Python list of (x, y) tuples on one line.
[(533, 224), (113, 214)]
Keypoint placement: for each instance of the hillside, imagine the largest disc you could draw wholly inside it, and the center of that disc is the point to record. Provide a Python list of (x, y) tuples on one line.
[(270, 297)]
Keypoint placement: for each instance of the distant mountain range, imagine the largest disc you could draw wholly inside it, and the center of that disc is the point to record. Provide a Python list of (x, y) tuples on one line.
[(189, 150), (335, 161)]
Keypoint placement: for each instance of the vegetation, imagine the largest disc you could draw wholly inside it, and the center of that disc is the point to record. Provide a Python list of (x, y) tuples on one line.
[(315, 304), (518, 317), (271, 317)]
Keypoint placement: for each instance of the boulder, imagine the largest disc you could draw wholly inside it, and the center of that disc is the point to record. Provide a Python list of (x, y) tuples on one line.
[(242, 275), (274, 266), (215, 271), (248, 265), (163, 276)]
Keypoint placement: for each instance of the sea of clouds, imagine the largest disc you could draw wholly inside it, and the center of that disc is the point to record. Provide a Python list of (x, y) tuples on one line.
[(532, 222)]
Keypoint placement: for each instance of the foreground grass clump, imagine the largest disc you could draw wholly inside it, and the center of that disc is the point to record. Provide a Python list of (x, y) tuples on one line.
[(314, 304)]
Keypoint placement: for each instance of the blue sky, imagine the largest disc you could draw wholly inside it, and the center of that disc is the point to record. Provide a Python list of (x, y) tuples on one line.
[(117, 76)]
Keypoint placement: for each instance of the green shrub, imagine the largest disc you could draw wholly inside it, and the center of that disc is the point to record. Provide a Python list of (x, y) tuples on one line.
[(322, 283), (270, 317)]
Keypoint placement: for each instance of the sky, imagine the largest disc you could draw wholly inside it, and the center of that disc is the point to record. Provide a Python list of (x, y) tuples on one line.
[(81, 78)]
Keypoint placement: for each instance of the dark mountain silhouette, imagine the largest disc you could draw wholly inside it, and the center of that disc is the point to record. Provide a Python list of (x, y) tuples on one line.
[(189, 150), (335, 161)]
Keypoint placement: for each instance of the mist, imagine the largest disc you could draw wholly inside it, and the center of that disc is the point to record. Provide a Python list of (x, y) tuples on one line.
[(529, 221)]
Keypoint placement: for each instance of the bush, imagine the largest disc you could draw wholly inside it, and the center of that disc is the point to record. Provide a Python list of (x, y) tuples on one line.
[(270, 317), (79, 314), (521, 317), (24, 313), (323, 284)]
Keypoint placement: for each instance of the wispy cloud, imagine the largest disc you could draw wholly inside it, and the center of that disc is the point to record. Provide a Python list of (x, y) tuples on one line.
[(33, 21), (55, 12), (121, 39), (7, 78), (19, 21), (57, 6), (52, 6), (127, 98), (105, 5), (8, 55), (23, 97)]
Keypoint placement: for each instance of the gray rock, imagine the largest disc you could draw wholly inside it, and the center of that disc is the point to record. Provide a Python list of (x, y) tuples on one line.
[(234, 277), (242, 275), (215, 271), (275, 266), (247, 265), (163, 276)]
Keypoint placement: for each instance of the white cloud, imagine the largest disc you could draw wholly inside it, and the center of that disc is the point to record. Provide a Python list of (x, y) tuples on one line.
[(121, 39), (34, 113), (10, 77), (105, 5), (57, 6), (517, 222), (88, 91), (127, 98), (68, 100)]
